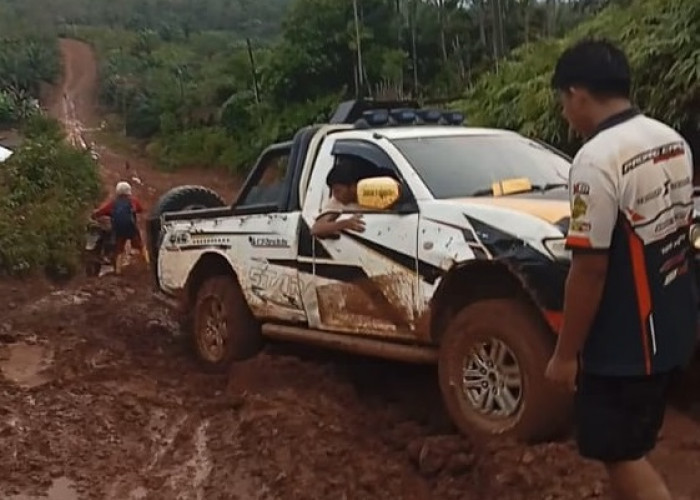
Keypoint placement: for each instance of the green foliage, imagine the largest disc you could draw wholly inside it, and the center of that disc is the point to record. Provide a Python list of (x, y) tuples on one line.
[(39, 127), (27, 60), (7, 109), (175, 19), (45, 189), (180, 75), (28, 57), (662, 40), (237, 113)]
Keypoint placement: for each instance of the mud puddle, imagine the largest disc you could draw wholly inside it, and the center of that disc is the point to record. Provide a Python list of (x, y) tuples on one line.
[(61, 489), (25, 365), (59, 300)]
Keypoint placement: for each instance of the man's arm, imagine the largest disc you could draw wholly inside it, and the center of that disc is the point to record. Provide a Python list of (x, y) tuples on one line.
[(104, 210), (594, 211), (584, 289), (327, 225), (136, 204)]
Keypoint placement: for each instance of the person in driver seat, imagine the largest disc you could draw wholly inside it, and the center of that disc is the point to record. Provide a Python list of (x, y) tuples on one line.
[(342, 181)]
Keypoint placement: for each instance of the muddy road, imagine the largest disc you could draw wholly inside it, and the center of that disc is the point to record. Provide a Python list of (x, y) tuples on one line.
[(100, 398)]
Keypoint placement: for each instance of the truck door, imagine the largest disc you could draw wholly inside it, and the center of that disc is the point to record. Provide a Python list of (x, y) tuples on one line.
[(365, 283), (266, 241)]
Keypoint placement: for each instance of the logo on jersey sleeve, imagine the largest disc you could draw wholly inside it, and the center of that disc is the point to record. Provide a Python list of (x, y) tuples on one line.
[(579, 207), (582, 188)]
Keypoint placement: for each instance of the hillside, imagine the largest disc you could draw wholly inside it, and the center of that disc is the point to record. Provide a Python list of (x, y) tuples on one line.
[(244, 17), (662, 39)]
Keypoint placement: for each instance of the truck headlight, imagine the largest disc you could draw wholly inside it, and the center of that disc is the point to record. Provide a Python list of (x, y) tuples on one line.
[(694, 235), (557, 248)]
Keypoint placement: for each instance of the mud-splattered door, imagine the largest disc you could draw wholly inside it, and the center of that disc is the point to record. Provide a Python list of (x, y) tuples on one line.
[(366, 283)]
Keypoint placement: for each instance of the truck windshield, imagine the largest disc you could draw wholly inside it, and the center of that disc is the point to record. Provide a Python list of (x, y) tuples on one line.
[(468, 165)]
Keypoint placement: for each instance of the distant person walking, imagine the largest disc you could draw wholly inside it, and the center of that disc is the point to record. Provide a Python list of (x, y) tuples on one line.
[(630, 303), (122, 210)]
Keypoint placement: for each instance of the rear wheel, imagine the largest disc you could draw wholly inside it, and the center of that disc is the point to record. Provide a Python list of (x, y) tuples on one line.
[(225, 329), (492, 362)]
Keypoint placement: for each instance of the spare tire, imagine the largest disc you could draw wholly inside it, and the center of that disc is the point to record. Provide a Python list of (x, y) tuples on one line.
[(176, 200)]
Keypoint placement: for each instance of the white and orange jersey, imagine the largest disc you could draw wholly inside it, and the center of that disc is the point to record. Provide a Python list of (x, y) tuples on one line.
[(631, 196)]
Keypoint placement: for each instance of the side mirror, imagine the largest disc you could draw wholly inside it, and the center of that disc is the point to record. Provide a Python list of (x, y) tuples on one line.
[(695, 236), (378, 193)]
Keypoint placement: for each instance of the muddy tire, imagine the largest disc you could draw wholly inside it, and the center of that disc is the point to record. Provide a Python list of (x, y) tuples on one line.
[(491, 368), (176, 200), (224, 328)]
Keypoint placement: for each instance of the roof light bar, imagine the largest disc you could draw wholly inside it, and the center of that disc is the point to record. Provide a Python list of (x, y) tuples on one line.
[(453, 117), (376, 117), (429, 115), (403, 116)]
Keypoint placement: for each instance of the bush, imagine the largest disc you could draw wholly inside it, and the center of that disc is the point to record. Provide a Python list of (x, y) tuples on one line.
[(16, 107), (46, 188), (40, 127), (661, 38)]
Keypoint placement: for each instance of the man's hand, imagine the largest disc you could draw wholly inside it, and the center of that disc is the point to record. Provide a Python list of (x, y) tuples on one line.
[(354, 223), (562, 372)]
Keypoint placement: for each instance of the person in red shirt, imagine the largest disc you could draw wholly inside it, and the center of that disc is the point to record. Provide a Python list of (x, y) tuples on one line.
[(122, 211)]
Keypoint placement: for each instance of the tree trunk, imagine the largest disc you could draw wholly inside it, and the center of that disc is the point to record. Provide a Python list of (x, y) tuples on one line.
[(551, 7), (458, 51), (498, 38), (358, 47), (441, 22), (399, 25), (481, 15), (414, 49), (526, 20)]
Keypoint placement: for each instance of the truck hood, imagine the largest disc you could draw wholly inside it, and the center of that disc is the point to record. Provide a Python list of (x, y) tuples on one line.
[(530, 219), (552, 211)]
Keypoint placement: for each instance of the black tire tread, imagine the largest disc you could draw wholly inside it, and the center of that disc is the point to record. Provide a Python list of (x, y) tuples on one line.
[(180, 197), (545, 413)]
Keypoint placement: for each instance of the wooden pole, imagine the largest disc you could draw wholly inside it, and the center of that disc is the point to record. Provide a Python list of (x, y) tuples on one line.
[(360, 67), (253, 70)]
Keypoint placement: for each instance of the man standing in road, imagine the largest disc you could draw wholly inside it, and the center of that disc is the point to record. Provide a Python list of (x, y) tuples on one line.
[(630, 304)]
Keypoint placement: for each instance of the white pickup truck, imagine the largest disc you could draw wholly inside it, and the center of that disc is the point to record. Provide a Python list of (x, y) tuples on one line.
[(465, 267)]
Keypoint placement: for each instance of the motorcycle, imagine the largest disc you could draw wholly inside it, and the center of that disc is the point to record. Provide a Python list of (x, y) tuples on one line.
[(100, 247)]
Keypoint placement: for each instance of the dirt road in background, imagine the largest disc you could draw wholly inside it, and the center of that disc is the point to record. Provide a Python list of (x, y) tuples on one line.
[(101, 399), (75, 103)]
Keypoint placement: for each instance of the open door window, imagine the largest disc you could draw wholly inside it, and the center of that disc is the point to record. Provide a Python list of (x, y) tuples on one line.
[(376, 163), (266, 188)]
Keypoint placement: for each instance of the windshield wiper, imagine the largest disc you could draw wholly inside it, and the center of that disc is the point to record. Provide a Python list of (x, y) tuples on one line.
[(535, 187), (549, 186), (482, 192)]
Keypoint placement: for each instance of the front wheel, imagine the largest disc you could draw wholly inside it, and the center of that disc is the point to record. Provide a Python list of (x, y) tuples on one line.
[(225, 329), (491, 367)]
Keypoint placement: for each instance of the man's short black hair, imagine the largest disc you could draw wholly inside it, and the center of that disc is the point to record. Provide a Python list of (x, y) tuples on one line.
[(345, 171), (595, 65)]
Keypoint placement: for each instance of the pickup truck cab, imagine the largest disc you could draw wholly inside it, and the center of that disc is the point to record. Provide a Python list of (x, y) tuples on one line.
[(461, 262)]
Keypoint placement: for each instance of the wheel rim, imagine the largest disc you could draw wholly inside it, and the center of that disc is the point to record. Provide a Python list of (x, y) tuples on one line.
[(492, 380), (213, 332)]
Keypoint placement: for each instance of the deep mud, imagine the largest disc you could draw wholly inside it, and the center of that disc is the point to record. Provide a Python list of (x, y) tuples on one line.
[(100, 398)]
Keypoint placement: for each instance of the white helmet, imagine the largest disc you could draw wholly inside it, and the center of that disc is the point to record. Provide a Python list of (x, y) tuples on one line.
[(123, 188)]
